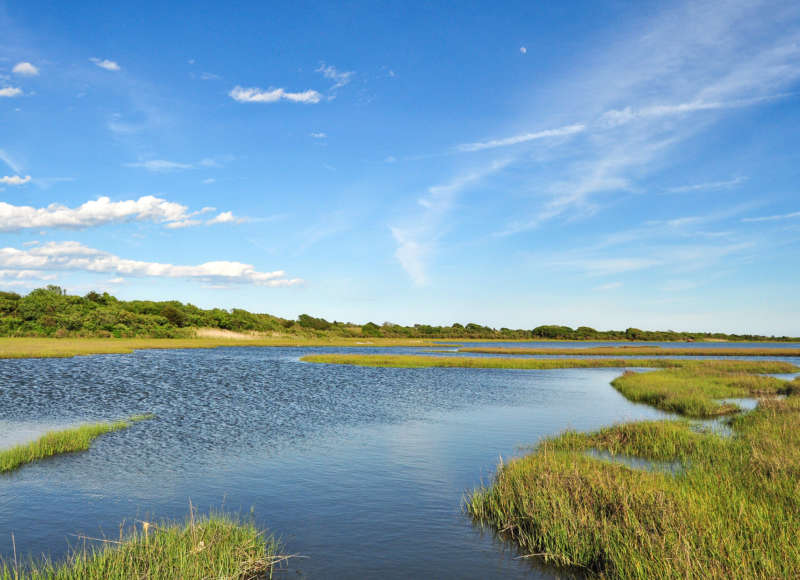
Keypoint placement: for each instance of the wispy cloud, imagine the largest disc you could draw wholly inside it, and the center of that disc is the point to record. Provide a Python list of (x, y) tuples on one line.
[(101, 211), (105, 64), (74, 256), (25, 69), (10, 92), (14, 179), (523, 138), (416, 243), (256, 95), (339, 78), (14, 165), (160, 165), (319, 135), (711, 185), (773, 218), (614, 118)]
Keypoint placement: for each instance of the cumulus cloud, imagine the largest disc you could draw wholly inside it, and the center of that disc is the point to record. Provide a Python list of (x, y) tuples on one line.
[(10, 92), (99, 212), (74, 256), (25, 69), (226, 217), (339, 78), (256, 95), (524, 138), (14, 179), (105, 63)]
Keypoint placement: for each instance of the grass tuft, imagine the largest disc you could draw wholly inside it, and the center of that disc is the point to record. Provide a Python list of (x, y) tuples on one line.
[(59, 442), (217, 546)]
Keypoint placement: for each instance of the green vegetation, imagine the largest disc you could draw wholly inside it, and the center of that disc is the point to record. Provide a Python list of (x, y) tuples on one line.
[(58, 442), (732, 511), (415, 361), (637, 350), (217, 546), (692, 390), (50, 312), (30, 347)]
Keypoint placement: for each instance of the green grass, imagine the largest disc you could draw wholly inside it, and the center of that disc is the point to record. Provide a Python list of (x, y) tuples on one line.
[(59, 442), (692, 391), (732, 511), (34, 347), (417, 361), (217, 546), (637, 350)]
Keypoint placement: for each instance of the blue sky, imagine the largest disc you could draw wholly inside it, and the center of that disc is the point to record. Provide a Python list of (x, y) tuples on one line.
[(603, 163)]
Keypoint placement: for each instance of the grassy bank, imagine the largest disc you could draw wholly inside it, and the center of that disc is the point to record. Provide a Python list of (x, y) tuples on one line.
[(213, 547), (637, 350), (59, 442), (732, 511), (415, 361), (27, 347), (693, 390)]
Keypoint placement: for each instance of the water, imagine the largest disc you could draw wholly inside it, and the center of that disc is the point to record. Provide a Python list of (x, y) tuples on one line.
[(363, 470)]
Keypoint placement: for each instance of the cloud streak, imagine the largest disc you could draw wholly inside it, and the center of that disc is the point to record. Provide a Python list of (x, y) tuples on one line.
[(103, 211), (74, 256), (255, 95), (523, 138)]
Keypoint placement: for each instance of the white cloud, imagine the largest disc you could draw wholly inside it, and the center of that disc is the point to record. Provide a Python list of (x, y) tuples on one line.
[(74, 256), (95, 213), (339, 78), (14, 179), (523, 50), (10, 92), (256, 95), (209, 180), (105, 63), (319, 135), (614, 118), (708, 186), (772, 218), (25, 69), (160, 165), (412, 255), (416, 243), (226, 217), (6, 158), (524, 138)]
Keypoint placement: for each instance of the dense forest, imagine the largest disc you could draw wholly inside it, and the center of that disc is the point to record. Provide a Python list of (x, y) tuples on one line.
[(52, 312)]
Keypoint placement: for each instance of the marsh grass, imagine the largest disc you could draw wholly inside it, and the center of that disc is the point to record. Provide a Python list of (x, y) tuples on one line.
[(417, 361), (636, 350), (731, 511), (216, 546), (25, 347), (693, 390), (59, 442)]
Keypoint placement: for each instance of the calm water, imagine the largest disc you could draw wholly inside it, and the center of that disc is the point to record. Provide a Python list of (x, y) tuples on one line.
[(362, 470)]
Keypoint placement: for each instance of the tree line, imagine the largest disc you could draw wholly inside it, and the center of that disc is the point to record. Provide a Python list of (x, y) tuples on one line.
[(51, 312)]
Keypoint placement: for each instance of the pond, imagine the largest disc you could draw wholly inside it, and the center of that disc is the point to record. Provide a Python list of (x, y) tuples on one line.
[(360, 470)]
